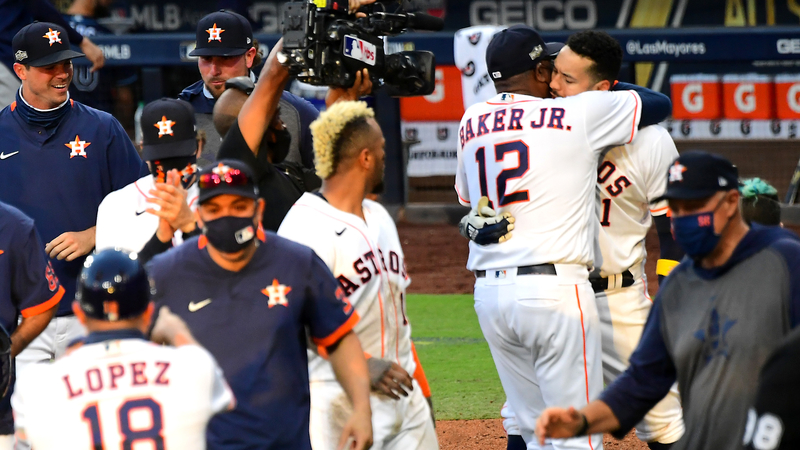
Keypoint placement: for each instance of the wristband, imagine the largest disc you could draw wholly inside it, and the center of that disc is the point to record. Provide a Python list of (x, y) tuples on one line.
[(584, 426)]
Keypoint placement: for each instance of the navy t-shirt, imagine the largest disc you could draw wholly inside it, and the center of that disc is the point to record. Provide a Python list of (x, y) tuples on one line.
[(255, 322), (28, 285), (58, 176)]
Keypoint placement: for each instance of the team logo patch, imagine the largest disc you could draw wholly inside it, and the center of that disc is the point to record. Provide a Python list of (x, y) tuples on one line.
[(164, 126), (411, 134), (442, 133), (78, 147), (469, 69), (52, 36), (360, 50), (21, 55), (676, 172), (536, 52), (214, 33), (714, 335), (722, 181), (474, 38), (277, 293), (496, 74)]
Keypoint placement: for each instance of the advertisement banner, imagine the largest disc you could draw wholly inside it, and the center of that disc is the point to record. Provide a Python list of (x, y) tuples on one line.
[(732, 129), (443, 104), (436, 152)]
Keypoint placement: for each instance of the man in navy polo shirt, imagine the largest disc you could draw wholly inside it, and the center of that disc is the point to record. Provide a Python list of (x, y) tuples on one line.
[(28, 288), (252, 298), (225, 49), (59, 159)]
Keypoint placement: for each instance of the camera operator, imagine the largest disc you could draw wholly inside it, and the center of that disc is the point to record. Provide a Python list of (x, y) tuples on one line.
[(226, 49), (259, 138)]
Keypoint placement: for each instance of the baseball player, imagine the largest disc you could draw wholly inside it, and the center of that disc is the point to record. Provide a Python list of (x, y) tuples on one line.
[(715, 321), (358, 241), (536, 158), (28, 288), (252, 299), (629, 178), (469, 50), (116, 389), (225, 49), (131, 217), (59, 160)]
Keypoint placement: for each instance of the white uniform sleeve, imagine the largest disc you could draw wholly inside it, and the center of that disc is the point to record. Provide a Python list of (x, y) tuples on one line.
[(462, 187), (661, 155), (104, 231), (611, 117), (295, 228), (222, 398), (18, 406)]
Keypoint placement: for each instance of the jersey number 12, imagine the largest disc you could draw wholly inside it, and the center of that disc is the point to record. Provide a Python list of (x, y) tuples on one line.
[(500, 151), (129, 435)]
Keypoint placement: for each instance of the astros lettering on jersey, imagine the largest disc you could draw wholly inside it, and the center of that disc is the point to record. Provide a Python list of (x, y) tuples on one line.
[(536, 158)]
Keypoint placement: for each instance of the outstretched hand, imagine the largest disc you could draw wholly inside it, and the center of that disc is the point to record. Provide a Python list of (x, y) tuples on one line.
[(361, 87), (558, 423)]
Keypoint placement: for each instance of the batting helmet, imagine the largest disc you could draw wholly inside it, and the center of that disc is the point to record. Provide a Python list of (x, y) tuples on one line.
[(113, 285)]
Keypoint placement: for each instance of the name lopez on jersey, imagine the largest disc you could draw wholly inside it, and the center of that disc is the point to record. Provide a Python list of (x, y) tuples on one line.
[(117, 375), (502, 121)]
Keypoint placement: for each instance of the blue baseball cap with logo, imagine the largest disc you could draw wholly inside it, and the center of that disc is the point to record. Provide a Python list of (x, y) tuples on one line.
[(42, 44), (697, 175), (223, 33), (517, 49)]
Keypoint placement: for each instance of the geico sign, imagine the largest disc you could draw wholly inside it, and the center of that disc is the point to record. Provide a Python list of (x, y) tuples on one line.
[(692, 97), (788, 46), (744, 97), (544, 15), (791, 98)]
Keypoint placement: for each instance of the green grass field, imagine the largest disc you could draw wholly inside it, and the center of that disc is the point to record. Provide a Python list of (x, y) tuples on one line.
[(455, 356)]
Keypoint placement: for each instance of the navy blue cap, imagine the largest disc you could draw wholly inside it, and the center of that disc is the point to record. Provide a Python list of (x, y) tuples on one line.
[(228, 176), (113, 286), (223, 33), (517, 49), (41, 44), (698, 174), (168, 129)]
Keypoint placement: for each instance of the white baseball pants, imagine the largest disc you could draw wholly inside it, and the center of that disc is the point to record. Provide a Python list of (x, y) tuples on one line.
[(544, 335), (403, 424)]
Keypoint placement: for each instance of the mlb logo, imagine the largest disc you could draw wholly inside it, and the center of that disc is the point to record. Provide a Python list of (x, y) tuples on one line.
[(359, 50)]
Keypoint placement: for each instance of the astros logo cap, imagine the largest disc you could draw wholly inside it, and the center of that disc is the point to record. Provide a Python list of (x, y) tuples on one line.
[(698, 175), (168, 129), (223, 33), (41, 44)]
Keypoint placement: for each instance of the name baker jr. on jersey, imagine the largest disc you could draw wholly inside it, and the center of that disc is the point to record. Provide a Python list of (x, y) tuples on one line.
[(553, 116)]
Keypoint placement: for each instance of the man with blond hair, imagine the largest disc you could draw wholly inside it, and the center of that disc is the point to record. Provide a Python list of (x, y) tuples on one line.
[(358, 241)]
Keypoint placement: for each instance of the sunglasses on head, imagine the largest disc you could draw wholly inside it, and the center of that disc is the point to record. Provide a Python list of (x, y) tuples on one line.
[(230, 177)]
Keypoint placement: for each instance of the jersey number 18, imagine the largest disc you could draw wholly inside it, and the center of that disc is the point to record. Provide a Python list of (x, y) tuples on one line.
[(129, 435), (500, 151)]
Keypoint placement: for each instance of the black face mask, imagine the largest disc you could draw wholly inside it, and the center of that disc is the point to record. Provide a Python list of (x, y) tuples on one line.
[(187, 166), (230, 234), (279, 149)]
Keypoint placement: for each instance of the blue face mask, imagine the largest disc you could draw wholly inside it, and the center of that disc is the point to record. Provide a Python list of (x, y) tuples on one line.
[(695, 233)]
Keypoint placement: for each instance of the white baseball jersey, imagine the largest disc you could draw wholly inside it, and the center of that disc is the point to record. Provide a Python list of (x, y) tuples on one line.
[(628, 178), (469, 51), (122, 220), (537, 158), (115, 393), (366, 258)]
